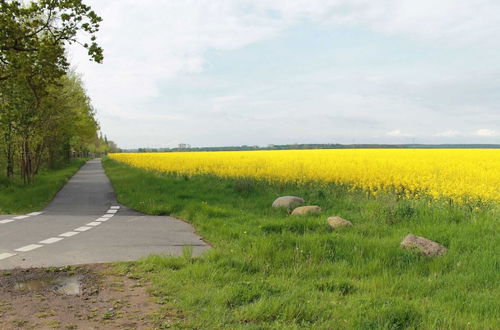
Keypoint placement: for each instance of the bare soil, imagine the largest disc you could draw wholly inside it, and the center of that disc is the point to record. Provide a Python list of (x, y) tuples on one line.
[(83, 297)]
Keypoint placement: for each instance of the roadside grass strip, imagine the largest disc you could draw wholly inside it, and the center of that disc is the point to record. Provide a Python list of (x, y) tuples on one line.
[(6, 255), (29, 247)]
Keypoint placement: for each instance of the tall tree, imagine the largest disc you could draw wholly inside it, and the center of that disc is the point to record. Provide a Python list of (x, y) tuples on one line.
[(33, 37)]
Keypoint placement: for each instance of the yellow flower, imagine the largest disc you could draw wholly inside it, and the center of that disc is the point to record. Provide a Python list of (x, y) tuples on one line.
[(458, 174)]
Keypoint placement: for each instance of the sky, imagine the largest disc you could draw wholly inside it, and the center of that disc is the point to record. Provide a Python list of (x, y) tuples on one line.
[(259, 72)]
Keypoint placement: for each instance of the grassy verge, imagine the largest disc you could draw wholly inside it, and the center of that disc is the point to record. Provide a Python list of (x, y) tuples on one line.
[(16, 197), (269, 270)]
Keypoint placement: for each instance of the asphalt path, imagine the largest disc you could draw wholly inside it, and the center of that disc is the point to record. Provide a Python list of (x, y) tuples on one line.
[(85, 224)]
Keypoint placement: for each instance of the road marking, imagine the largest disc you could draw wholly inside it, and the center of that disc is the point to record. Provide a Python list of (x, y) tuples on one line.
[(114, 207), (6, 255), (102, 219), (6, 221), (51, 240), (93, 223), (34, 213), (108, 215), (112, 211), (69, 234), (28, 248), (21, 217), (83, 228)]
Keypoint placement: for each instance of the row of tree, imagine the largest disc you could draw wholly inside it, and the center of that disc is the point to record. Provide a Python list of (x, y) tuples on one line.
[(317, 146), (45, 113)]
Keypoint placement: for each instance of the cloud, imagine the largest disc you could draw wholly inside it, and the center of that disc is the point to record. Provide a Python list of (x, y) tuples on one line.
[(398, 133), (449, 21), (449, 133), (152, 45), (485, 132), (158, 40)]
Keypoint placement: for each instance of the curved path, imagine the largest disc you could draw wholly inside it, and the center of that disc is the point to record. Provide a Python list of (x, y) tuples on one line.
[(85, 224)]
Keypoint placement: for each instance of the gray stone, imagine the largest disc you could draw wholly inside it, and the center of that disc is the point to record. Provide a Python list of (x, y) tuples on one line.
[(424, 245), (310, 209), (337, 222), (289, 202)]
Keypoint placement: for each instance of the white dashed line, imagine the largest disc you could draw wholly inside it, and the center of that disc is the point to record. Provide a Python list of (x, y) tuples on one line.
[(28, 248), (20, 217), (51, 240), (114, 207), (6, 255), (69, 234), (83, 228), (34, 213)]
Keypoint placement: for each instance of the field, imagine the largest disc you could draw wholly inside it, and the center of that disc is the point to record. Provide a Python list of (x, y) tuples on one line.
[(460, 175), (268, 270)]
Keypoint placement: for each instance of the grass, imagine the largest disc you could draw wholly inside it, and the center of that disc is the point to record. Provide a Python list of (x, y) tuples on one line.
[(16, 197), (268, 270)]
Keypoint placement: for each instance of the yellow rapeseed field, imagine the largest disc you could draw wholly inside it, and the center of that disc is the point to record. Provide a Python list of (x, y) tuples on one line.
[(462, 175)]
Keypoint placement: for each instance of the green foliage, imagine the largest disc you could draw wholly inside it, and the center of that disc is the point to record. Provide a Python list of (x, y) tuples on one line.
[(41, 102), (268, 270), (36, 26)]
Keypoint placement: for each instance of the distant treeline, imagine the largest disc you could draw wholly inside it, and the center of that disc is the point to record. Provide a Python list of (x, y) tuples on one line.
[(320, 146)]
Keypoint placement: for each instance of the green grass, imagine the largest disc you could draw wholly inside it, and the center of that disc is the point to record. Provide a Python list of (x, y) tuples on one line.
[(268, 270), (16, 197)]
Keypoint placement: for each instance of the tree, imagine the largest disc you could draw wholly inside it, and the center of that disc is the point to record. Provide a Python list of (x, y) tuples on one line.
[(70, 124), (55, 21), (32, 66)]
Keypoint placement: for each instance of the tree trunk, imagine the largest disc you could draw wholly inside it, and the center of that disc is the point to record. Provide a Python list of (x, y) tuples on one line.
[(27, 172), (10, 161), (9, 150)]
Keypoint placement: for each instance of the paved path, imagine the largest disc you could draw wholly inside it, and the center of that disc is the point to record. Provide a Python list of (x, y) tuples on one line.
[(85, 224)]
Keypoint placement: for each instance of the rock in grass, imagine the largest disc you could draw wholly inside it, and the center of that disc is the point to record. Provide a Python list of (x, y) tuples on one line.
[(424, 245), (310, 209), (289, 202), (338, 222)]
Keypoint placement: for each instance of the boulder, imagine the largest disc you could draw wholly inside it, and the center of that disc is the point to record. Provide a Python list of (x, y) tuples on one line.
[(306, 210), (337, 222), (289, 202), (424, 245)]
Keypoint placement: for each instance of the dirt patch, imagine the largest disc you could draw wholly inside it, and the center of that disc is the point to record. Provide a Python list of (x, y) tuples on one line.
[(84, 297)]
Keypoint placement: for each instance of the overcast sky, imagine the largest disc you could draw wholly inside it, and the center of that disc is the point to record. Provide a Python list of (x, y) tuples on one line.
[(218, 73)]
